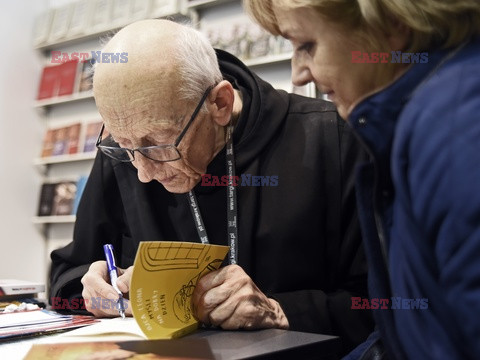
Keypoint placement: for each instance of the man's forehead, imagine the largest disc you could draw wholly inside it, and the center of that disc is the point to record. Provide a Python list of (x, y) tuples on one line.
[(143, 127)]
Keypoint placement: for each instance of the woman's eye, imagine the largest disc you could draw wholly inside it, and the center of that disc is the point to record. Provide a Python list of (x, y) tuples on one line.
[(306, 47)]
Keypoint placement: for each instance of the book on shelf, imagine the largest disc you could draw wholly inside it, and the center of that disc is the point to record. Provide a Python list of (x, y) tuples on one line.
[(57, 80), (81, 13), (91, 135), (101, 15), (45, 202), (73, 138), (63, 198), (19, 288), (121, 11), (86, 74), (67, 74), (48, 143), (140, 10), (60, 23), (60, 141), (82, 181), (48, 83), (43, 23)]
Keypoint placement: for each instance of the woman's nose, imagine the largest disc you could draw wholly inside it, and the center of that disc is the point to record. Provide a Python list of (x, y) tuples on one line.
[(301, 74)]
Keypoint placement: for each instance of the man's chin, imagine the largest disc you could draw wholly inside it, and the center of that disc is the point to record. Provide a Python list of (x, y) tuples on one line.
[(180, 187)]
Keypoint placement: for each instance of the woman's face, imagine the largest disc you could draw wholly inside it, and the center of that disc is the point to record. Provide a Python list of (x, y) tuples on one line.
[(323, 54)]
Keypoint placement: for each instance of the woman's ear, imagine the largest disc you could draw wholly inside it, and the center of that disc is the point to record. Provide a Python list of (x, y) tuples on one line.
[(399, 37), (221, 100)]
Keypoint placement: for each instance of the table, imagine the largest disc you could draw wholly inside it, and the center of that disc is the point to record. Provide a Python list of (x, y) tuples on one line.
[(227, 345), (269, 344)]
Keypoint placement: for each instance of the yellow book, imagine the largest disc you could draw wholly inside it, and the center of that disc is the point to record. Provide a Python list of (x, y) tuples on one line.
[(163, 279)]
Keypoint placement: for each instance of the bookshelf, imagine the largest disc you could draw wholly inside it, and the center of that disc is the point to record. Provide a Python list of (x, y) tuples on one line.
[(202, 4)]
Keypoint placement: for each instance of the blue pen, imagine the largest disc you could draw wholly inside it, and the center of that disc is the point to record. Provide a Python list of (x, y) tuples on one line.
[(112, 271)]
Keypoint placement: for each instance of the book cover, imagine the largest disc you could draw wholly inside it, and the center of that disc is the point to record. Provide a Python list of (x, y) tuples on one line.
[(185, 349), (81, 182), (63, 198), (91, 135), (164, 276), (86, 75), (48, 83), (73, 137), (20, 287), (45, 202), (60, 141), (48, 143), (67, 74)]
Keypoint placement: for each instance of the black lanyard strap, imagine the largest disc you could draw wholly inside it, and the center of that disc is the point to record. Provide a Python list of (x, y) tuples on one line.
[(232, 229)]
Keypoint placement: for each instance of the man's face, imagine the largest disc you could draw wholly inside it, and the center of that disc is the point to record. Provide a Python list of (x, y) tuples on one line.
[(149, 122)]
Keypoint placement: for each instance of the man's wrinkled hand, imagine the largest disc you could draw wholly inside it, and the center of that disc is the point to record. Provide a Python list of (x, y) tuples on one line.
[(228, 298), (99, 295)]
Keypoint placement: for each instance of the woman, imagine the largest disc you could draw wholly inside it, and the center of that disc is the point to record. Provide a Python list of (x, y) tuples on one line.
[(406, 76)]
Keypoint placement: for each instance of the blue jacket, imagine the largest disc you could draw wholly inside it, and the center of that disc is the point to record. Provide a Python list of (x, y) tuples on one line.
[(419, 206)]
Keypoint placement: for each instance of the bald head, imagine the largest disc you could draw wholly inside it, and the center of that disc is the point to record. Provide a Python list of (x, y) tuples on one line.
[(168, 63)]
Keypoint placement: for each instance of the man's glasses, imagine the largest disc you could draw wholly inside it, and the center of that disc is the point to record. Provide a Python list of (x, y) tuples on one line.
[(162, 153)]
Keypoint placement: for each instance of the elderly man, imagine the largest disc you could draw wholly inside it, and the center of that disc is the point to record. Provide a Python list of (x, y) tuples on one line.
[(179, 120)]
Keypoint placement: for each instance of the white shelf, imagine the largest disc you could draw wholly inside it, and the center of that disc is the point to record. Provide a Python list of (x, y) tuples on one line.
[(65, 158), (269, 59), (64, 99), (96, 35), (61, 219), (201, 4)]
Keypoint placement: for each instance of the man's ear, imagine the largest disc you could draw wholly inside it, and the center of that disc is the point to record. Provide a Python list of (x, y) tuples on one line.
[(221, 99)]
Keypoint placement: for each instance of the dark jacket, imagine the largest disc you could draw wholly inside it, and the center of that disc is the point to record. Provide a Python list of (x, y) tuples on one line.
[(299, 241), (421, 194)]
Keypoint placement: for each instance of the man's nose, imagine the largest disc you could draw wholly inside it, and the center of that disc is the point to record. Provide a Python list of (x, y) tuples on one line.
[(301, 74), (146, 168)]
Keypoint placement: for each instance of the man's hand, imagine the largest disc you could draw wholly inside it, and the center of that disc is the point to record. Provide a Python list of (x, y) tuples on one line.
[(230, 299), (100, 297)]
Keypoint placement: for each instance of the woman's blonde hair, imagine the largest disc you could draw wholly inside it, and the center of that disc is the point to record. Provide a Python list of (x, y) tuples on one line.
[(432, 23)]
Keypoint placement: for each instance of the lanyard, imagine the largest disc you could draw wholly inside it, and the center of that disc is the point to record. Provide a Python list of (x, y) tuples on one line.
[(231, 205)]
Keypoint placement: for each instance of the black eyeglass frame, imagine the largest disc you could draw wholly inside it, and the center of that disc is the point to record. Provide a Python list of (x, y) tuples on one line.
[(174, 145)]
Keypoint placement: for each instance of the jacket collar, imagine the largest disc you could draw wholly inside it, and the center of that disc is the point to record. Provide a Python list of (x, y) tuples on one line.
[(375, 117)]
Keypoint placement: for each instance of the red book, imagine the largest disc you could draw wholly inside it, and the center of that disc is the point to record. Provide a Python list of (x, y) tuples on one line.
[(67, 73), (48, 83)]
